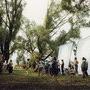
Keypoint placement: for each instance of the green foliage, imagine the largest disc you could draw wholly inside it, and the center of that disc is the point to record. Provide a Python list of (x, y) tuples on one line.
[(66, 4), (66, 11), (61, 12), (36, 42), (10, 22), (53, 14), (34, 58), (74, 33)]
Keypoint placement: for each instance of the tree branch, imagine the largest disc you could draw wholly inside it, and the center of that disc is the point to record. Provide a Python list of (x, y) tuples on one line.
[(48, 55), (5, 23), (7, 11), (60, 22)]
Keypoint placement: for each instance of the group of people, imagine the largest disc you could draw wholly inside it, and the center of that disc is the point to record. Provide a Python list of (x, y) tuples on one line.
[(54, 67), (73, 68), (6, 67), (50, 67)]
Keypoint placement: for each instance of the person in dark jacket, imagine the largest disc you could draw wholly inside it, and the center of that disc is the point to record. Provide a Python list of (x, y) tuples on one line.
[(84, 67), (54, 67), (10, 67), (76, 65), (62, 67)]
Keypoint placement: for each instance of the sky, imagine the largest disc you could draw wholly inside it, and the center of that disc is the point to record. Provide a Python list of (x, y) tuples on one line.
[(35, 10)]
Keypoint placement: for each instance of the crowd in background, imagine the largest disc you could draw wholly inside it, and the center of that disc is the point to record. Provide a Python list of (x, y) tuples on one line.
[(53, 67)]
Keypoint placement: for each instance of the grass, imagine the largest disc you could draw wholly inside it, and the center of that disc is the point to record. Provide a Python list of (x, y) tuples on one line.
[(20, 77)]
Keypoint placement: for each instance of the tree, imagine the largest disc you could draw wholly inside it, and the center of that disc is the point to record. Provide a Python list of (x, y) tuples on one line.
[(34, 42), (66, 11), (11, 22)]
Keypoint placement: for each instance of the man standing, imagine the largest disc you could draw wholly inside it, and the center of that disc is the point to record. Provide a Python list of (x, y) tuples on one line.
[(62, 67), (54, 67), (10, 67), (76, 65), (84, 67)]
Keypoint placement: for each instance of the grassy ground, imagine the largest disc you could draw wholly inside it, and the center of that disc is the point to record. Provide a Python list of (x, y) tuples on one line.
[(20, 80)]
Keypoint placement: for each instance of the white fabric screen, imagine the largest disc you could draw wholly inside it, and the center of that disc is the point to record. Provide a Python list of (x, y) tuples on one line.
[(83, 50)]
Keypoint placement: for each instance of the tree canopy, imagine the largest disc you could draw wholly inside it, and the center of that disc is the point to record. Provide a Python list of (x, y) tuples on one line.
[(10, 22)]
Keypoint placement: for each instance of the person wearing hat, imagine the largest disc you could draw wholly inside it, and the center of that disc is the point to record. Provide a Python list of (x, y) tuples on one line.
[(84, 67)]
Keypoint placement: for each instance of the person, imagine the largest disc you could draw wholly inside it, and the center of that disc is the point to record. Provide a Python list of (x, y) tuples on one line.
[(76, 65), (84, 67), (50, 69), (5, 66), (58, 67), (71, 70), (54, 67), (10, 67), (62, 66), (47, 67)]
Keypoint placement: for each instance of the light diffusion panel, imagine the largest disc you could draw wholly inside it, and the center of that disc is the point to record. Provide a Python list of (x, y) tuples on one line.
[(65, 52), (83, 50)]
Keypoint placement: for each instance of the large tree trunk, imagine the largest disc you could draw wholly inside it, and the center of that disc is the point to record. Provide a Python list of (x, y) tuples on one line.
[(6, 51), (6, 46)]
